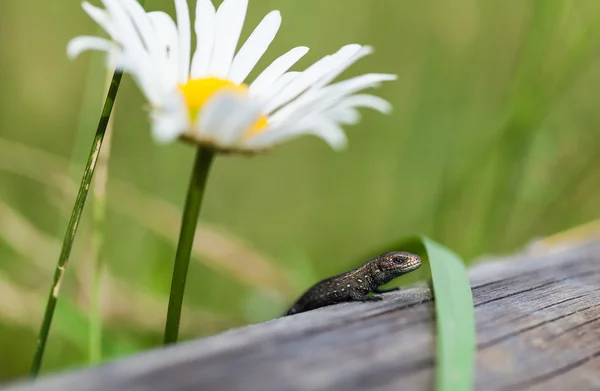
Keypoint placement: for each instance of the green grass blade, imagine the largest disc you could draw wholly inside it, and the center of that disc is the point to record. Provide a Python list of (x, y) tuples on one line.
[(455, 319)]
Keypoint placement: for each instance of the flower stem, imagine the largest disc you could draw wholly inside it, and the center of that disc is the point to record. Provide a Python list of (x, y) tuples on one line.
[(191, 211), (73, 224)]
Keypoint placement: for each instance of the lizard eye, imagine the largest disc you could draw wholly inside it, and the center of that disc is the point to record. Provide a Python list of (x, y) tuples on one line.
[(399, 260)]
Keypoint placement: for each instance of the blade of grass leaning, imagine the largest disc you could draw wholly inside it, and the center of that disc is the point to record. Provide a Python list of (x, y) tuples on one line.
[(455, 319), (69, 237), (95, 89)]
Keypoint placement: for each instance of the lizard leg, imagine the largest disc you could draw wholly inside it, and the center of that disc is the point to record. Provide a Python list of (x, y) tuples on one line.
[(379, 290)]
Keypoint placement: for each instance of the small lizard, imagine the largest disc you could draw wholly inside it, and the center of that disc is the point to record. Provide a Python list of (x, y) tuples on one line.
[(356, 284)]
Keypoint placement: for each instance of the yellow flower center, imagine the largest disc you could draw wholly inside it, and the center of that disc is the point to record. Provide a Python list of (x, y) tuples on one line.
[(197, 92)]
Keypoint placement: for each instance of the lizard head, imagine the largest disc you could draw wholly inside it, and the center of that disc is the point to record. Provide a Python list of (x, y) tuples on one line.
[(397, 263)]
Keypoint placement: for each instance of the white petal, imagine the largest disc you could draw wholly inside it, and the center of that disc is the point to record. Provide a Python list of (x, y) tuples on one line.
[(170, 120), (327, 97), (277, 86), (101, 18), (276, 69), (312, 76), (343, 111), (160, 78), (166, 41), (322, 100), (229, 21), (325, 129), (204, 27), (80, 44), (143, 25), (350, 86), (307, 104), (151, 88), (337, 59), (369, 101), (328, 71), (123, 28), (226, 116), (298, 108), (332, 134), (300, 84), (344, 116), (184, 41), (255, 46), (136, 56), (353, 54)]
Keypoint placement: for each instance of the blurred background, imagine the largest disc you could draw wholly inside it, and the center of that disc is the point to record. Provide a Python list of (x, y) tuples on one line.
[(493, 142)]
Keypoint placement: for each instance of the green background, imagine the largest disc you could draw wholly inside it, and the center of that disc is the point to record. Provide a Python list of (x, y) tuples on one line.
[(493, 142)]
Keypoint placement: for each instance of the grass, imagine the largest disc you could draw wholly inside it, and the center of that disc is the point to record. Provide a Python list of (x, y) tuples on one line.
[(469, 73), (71, 231), (455, 319)]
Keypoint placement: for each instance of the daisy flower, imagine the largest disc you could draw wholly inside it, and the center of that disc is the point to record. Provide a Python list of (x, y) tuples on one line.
[(204, 96)]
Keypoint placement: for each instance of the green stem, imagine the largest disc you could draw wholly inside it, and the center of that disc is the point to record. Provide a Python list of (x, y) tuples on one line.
[(191, 211), (74, 223)]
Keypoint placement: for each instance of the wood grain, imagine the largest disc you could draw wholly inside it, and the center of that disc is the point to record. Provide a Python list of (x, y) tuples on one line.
[(538, 325)]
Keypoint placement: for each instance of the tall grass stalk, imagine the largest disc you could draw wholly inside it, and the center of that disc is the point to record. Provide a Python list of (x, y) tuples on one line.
[(69, 237), (191, 212)]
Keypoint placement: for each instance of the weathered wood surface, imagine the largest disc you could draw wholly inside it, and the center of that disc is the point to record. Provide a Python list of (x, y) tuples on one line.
[(538, 323)]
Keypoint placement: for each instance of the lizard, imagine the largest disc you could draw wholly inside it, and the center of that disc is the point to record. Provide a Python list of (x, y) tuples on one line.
[(357, 283)]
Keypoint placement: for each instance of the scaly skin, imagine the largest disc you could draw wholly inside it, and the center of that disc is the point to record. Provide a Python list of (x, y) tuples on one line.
[(356, 284)]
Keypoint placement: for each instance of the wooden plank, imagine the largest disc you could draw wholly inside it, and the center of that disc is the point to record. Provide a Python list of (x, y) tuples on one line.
[(538, 324)]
